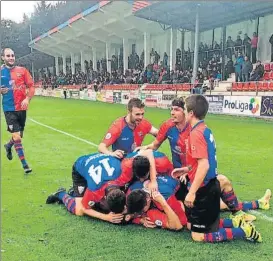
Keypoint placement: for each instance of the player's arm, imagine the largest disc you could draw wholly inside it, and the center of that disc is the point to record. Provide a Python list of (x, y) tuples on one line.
[(109, 139), (198, 151), (111, 217), (173, 221), (160, 137), (153, 131), (30, 84)]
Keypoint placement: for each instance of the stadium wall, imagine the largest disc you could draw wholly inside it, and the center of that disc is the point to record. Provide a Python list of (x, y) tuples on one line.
[(247, 105)]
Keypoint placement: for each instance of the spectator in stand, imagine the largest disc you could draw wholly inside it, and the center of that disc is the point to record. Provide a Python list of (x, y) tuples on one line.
[(238, 44), (271, 42), (230, 45), (247, 68), (229, 69), (238, 67), (258, 73), (254, 46), (247, 45)]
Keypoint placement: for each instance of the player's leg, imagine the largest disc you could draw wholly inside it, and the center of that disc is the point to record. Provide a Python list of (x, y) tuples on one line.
[(18, 128), (79, 183), (72, 204), (10, 117), (230, 200)]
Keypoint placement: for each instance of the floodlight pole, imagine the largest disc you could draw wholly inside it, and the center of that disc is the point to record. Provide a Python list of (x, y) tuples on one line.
[(196, 45)]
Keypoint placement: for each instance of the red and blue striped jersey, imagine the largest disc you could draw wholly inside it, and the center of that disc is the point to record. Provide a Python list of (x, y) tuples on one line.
[(124, 138), (201, 145), (17, 80), (168, 130)]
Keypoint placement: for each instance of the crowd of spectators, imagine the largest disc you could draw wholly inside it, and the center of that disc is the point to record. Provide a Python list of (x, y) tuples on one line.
[(238, 55)]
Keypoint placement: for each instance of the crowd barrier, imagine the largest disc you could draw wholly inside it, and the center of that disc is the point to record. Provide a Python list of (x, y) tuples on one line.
[(252, 106)]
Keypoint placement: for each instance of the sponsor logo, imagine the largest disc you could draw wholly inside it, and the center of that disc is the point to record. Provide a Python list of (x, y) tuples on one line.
[(158, 223), (91, 203), (108, 136), (140, 134), (199, 226), (81, 189), (253, 105), (125, 138)]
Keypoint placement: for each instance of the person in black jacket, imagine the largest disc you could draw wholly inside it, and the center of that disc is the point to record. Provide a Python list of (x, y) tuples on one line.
[(258, 73)]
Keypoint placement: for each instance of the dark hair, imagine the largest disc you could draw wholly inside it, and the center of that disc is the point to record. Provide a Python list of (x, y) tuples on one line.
[(198, 104), (3, 50), (141, 167), (135, 102), (116, 200), (136, 201), (179, 102)]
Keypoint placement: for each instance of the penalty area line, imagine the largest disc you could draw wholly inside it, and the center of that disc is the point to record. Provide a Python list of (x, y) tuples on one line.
[(261, 215)]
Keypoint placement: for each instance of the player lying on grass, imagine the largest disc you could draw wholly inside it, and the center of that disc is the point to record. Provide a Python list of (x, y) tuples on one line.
[(127, 133), (162, 209), (94, 174), (177, 131)]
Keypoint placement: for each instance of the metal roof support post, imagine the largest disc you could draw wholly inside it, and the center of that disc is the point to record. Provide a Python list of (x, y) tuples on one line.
[(224, 35), (82, 62), (125, 54), (73, 64), (94, 59), (182, 48), (57, 65), (196, 45), (147, 49), (64, 64), (108, 57), (173, 46)]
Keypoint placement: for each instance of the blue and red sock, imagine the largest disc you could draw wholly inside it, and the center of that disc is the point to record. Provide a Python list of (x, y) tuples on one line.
[(20, 152), (224, 234), (225, 223), (245, 206), (68, 201), (10, 144)]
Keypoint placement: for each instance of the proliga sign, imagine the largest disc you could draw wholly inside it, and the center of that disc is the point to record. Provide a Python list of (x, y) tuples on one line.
[(242, 105)]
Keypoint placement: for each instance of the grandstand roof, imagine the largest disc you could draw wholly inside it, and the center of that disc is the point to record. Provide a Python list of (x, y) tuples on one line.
[(106, 21), (213, 14)]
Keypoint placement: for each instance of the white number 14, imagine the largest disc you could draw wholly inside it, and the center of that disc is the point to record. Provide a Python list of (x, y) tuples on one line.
[(96, 172)]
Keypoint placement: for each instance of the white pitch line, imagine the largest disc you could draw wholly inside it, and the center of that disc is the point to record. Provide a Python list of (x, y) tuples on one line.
[(65, 133), (263, 216)]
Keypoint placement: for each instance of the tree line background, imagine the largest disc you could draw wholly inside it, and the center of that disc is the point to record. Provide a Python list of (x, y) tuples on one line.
[(45, 17)]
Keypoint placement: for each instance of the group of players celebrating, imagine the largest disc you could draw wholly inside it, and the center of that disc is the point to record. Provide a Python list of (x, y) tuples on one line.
[(138, 184)]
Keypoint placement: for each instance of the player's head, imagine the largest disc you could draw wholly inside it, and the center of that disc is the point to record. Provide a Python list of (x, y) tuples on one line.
[(115, 199), (141, 167), (177, 110), (196, 107), (8, 56), (138, 201), (135, 110)]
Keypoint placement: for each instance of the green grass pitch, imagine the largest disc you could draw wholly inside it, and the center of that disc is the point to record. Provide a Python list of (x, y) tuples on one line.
[(34, 231)]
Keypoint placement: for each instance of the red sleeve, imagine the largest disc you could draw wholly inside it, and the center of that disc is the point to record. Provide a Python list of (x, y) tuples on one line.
[(162, 133), (199, 147), (176, 206), (29, 83), (90, 197), (136, 221), (113, 133), (163, 165), (158, 217), (147, 126), (127, 173)]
